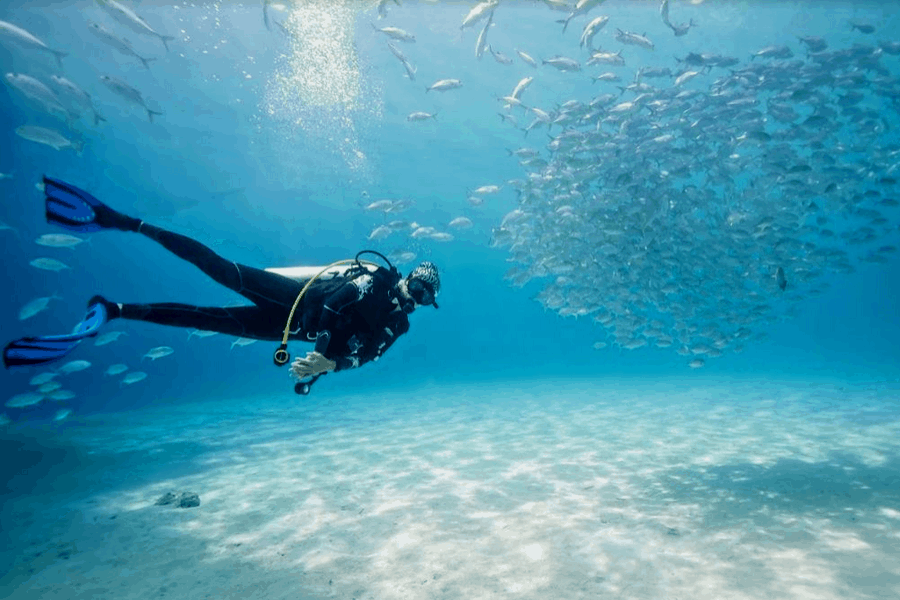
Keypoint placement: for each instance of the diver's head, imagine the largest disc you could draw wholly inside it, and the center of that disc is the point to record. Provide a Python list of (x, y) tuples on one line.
[(422, 285)]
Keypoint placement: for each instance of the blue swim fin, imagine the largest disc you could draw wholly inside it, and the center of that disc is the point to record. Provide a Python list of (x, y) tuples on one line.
[(70, 207), (48, 348)]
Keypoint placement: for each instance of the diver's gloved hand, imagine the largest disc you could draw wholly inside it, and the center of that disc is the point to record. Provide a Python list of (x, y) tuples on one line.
[(311, 364)]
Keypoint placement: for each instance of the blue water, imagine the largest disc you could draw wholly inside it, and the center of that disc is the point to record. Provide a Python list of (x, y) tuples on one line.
[(242, 164)]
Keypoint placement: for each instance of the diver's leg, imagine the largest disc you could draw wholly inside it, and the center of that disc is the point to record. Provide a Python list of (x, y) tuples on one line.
[(240, 321), (259, 286)]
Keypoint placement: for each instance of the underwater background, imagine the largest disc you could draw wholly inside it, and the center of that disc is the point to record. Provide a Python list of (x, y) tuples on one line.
[(272, 143)]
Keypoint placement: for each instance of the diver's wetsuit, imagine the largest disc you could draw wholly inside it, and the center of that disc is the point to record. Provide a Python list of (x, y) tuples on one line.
[(352, 320)]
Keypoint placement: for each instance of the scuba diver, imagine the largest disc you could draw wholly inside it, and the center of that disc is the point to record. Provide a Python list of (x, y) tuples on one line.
[(352, 310)]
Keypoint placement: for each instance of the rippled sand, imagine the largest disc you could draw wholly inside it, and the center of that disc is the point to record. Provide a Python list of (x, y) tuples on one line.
[(665, 490)]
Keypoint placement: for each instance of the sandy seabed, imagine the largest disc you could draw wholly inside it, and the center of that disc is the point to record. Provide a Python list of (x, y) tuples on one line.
[(539, 490)]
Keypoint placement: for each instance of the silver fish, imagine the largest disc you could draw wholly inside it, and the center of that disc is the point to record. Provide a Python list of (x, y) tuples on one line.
[(58, 240), (16, 34), (527, 58), (120, 44), (128, 93), (74, 366), (200, 333), (380, 233), (444, 84), (395, 33), (77, 96), (108, 337), (37, 91), (134, 377), (128, 17), (420, 116), (23, 400), (634, 39), (461, 223), (499, 56), (479, 12), (48, 137), (42, 378), (481, 42), (158, 352), (36, 306), (49, 264), (116, 369), (590, 30)]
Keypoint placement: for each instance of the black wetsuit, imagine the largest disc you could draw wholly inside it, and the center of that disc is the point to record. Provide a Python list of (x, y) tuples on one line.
[(352, 319)]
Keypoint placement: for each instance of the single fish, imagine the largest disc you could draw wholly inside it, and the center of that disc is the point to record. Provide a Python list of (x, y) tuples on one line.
[(48, 137), (61, 395), (134, 377), (461, 223), (444, 84), (50, 386), (499, 56), (62, 414), (521, 86), (77, 97), (780, 52), (478, 12), (481, 42), (582, 7), (42, 378), (527, 58), (158, 352), (421, 232), (382, 205), (590, 30), (58, 240), (486, 189), (395, 33), (380, 233), (4, 420), (862, 27), (36, 306), (402, 257), (696, 363), (129, 18), (634, 39), (200, 333), (37, 91), (74, 366), (441, 237), (242, 342), (421, 116), (120, 44), (396, 52), (23, 400), (108, 338), (116, 369), (410, 70), (780, 278), (562, 63), (128, 93), (11, 32), (49, 264)]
